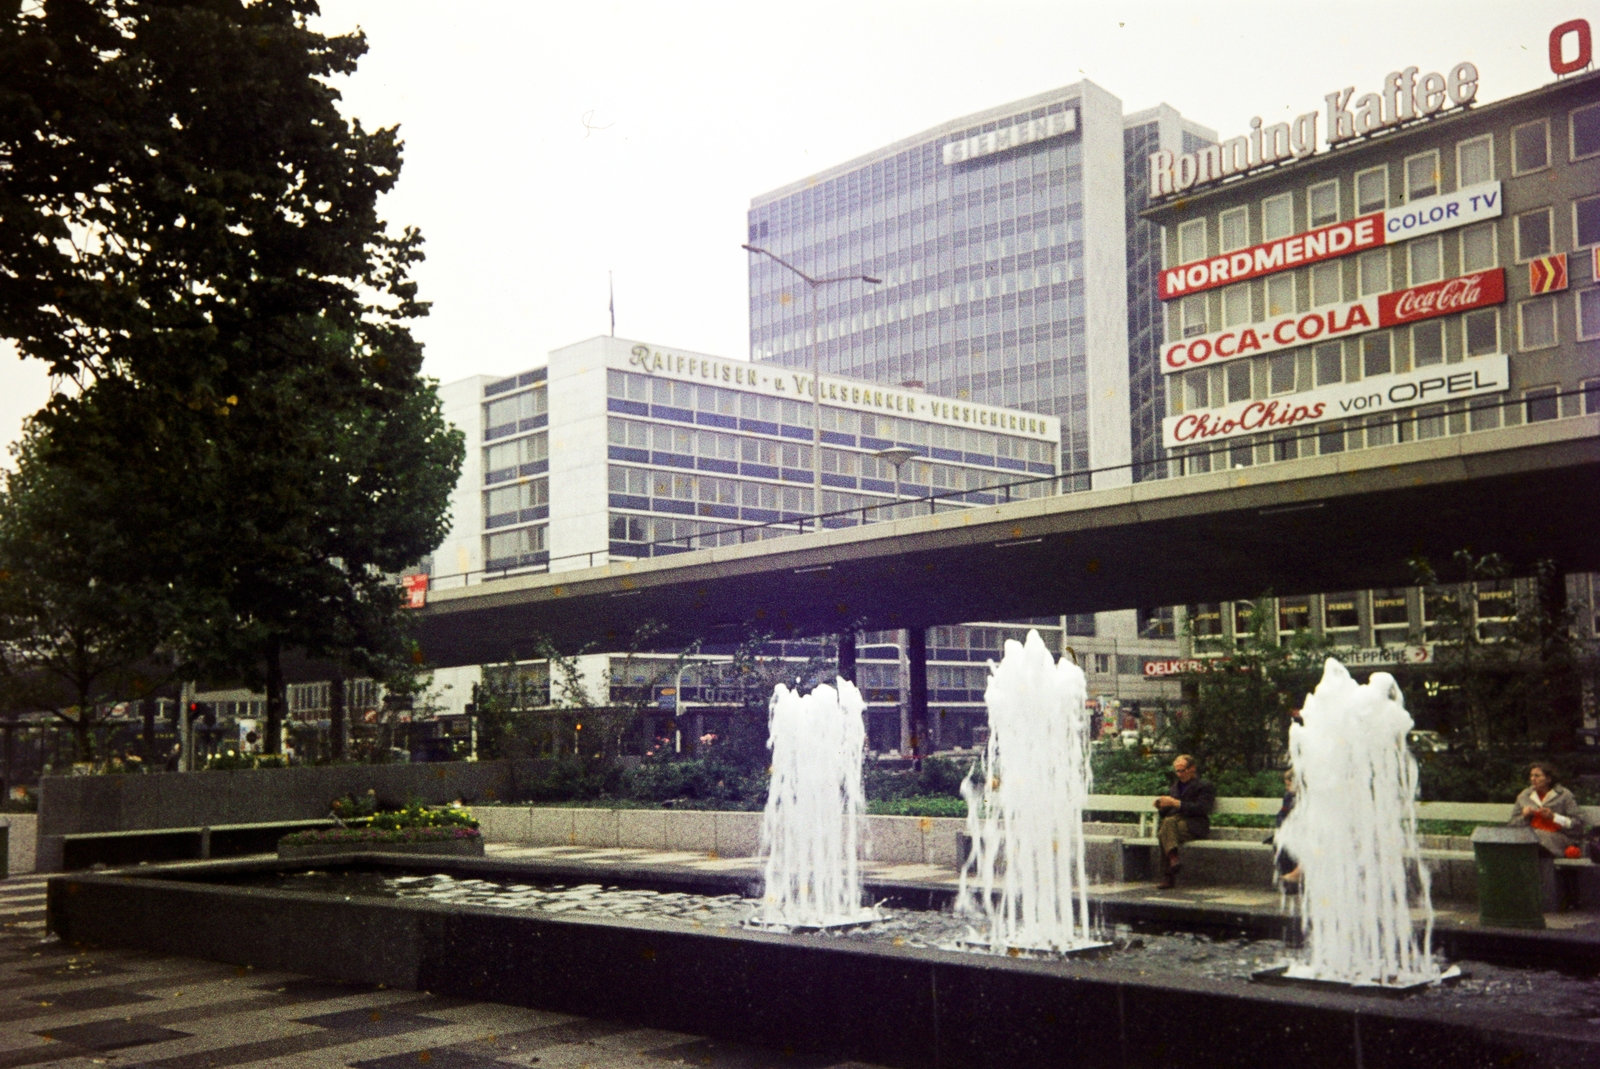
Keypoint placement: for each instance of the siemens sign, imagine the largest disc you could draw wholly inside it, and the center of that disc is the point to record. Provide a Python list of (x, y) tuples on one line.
[(1022, 133)]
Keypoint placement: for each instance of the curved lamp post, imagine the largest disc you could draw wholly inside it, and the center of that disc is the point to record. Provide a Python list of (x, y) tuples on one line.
[(814, 284)]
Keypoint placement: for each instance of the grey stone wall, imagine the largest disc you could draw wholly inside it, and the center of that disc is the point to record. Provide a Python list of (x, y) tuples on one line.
[(77, 805)]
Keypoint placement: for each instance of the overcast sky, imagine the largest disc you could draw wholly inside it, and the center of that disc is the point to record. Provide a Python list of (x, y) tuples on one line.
[(547, 144)]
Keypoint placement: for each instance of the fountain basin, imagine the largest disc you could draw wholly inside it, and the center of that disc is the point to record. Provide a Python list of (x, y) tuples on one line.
[(904, 1006)]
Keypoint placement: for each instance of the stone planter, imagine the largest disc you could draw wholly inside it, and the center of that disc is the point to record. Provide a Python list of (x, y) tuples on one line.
[(472, 847)]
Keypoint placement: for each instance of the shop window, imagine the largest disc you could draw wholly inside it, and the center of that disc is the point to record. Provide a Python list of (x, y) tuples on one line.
[(1391, 623), (1277, 217), (1478, 248), (1530, 147), (1157, 623), (1482, 331), (1584, 125), (1235, 229), (1533, 234), (1324, 201), (1205, 620), (1427, 343), (1586, 221), (1536, 323), (1496, 608), (1372, 272), (1339, 613), (1422, 176), (1294, 615), (1372, 190), (1475, 161)]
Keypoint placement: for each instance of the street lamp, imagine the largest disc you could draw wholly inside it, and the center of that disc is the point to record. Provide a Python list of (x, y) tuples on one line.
[(814, 284), (897, 456)]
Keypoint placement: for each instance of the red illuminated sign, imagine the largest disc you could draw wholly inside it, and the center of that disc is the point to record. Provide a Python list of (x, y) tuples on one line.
[(416, 588)]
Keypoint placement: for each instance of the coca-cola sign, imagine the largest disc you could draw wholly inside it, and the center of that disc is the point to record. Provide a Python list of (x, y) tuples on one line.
[(1338, 320), (1442, 298)]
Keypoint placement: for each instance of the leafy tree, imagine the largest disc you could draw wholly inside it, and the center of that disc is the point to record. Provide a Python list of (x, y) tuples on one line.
[(190, 229), (1238, 707), (1504, 686), (69, 642)]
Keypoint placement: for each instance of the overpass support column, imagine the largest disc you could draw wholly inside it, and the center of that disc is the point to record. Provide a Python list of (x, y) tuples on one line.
[(847, 655), (917, 660)]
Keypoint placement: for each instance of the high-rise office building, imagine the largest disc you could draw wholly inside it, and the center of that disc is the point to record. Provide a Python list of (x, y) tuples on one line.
[(1012, 257)]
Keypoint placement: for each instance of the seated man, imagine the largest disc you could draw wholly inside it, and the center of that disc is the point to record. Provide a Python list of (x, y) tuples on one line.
[(1185, 814)]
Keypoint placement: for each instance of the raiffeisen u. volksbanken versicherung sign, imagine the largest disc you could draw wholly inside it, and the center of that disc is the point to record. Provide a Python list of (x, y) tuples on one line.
[(1406, 95)]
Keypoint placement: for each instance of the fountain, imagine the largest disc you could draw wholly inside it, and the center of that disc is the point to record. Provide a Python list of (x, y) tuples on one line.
[(1026, 871), (1353, 831), (811, 830)]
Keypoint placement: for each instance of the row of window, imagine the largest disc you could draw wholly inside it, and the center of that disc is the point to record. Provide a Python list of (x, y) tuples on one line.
[(519, 548), (1383, 352), (630, 386), (504, 415), (1395, 615), (510, 504), (1420, 176), (1376, 271), (522, 456)]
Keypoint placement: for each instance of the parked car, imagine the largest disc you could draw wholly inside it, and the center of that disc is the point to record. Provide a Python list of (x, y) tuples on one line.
[(1427, 742)]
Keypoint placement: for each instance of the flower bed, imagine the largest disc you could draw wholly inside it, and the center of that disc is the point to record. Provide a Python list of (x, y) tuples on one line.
[(454, 840)]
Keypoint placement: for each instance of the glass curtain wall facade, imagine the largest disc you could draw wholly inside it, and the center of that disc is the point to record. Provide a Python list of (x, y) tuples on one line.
[(982, 261)]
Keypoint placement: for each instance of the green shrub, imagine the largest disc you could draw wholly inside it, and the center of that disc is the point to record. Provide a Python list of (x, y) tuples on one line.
[(416, 815), (571, 778), (919, 806), (704, 779), (232, 762), (940, 777)]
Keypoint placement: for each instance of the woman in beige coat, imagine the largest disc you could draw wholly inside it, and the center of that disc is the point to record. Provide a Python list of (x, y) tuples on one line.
[(1550, 810)]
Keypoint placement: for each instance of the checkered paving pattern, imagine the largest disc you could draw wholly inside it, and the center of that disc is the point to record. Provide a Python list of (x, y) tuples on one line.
[(75, 1008)]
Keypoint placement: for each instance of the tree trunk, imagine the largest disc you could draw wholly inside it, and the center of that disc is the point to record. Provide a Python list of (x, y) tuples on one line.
[(277, 698), (336, 717), (83, 736)]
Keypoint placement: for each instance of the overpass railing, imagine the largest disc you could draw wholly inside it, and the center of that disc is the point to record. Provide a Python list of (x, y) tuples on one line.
[(1436, 421)]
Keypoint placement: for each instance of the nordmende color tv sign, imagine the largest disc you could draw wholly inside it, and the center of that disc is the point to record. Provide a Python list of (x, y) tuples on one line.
[(1427, 215), (1380, 393), (1477, 290)]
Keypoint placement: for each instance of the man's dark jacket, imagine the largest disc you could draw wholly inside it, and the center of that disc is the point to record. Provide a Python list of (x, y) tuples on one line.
[(1197, 799)]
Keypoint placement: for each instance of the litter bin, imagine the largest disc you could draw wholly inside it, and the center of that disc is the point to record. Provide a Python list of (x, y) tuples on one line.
[(1509, 890)]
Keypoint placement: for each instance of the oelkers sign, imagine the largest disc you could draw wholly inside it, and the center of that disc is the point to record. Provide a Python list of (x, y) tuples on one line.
[(1427, 215), (1405, 97), (1380, 393)]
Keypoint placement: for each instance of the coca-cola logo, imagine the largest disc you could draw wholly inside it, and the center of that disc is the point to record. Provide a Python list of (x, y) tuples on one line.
[(1442, 298), (1455, 294)]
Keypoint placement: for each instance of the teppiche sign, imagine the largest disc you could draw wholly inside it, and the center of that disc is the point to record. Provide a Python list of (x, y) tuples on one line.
[(1429, 215), (1380, 393), (1338, 320)]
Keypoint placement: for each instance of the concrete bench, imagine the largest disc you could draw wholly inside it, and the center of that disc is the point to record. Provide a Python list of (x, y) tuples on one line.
[(115, 848)]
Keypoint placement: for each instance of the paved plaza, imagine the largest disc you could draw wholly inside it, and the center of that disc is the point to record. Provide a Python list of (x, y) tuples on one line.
[(77, 1008)]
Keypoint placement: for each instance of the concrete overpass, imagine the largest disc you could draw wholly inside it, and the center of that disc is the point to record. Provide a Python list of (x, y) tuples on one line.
[(1337, 522)]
